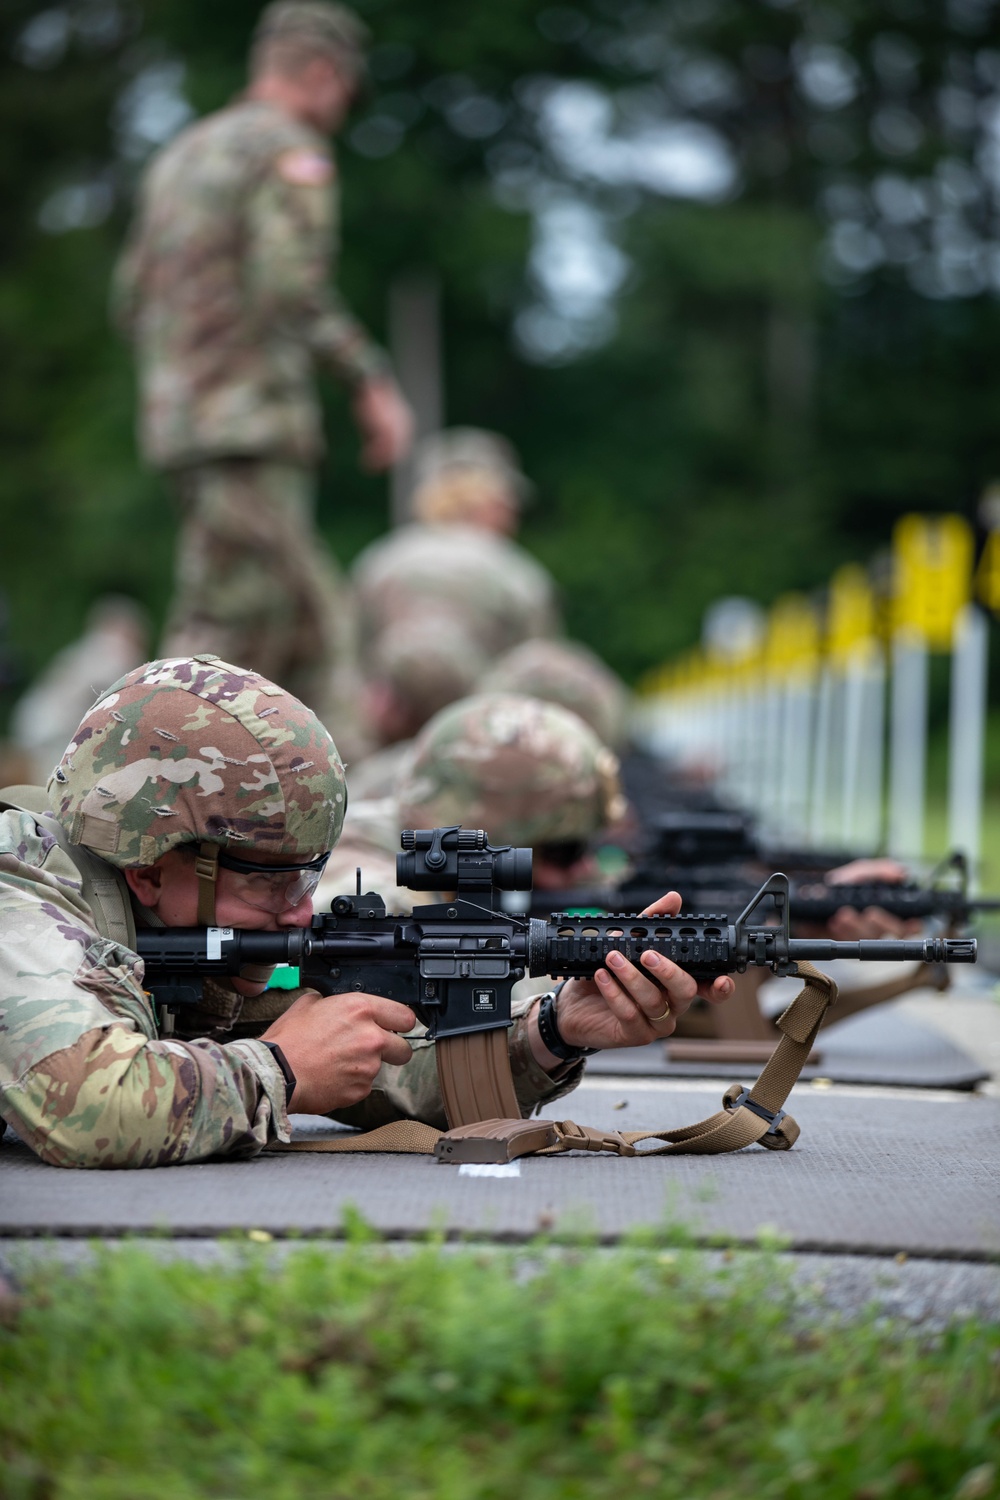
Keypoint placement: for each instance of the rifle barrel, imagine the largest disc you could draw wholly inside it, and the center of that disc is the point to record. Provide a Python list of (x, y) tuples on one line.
[(921, 950)]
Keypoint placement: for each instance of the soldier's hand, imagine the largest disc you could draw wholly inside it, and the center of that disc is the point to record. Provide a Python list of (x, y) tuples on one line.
[(627, 1006), (385, 421), (335, 1046), (848, 925)]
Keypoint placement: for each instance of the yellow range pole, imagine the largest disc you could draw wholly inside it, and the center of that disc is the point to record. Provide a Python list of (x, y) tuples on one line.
[(932, 571), (908, 745)]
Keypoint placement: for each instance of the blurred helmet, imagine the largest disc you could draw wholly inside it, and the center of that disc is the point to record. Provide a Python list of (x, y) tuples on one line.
[(428, 658), (528, 772), (565, 672), (194, 751), (459, 472), (316, 24)]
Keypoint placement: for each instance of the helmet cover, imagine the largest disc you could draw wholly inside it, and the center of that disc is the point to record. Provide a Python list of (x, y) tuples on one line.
[(192, 749)]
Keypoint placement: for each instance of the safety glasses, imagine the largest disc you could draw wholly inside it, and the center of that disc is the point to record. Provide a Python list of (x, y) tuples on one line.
[(272, 888)]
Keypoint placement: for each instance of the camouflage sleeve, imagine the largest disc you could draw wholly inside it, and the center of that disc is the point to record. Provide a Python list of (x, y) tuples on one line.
[(290, 242), (411, 1092), (83, 1078)]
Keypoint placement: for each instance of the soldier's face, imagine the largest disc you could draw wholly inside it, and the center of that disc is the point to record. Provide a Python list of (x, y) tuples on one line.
[(500, 513), (170, 889), (327, 95)]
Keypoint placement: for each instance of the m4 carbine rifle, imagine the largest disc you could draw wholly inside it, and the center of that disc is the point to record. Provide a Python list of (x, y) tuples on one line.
[(714, 860), (456, 962), (810, 900)]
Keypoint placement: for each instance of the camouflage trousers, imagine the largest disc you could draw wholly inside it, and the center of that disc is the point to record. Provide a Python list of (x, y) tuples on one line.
[(256, 585)]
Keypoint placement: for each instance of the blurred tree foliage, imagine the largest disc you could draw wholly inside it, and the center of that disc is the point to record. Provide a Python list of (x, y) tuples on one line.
[(724, 270)]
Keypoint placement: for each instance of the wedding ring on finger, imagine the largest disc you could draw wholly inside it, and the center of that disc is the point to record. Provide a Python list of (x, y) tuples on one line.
[(661, 1017)]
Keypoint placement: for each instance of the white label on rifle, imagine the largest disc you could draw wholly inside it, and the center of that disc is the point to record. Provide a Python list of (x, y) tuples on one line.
[(214, 939)]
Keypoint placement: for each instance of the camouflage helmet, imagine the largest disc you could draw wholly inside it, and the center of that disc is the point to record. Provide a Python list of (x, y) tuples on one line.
[(528, 772), (429, 658), (319, 24), (565, 672), (192, 750)]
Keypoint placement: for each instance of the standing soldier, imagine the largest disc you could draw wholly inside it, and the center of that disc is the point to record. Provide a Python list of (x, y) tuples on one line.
[(223, 289)]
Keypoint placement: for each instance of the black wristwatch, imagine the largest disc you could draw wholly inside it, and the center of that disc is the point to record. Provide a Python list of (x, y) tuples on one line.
[(548, 1030), (286, 1069)]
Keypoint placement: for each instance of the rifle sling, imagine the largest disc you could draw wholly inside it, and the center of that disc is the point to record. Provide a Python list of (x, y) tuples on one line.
[(747, 1115)]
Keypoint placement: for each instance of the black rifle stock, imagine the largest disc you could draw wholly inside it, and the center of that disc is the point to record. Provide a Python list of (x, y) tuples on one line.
[(455, 963)]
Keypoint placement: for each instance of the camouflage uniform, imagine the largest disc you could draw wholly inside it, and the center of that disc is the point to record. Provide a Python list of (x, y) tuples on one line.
[(442, 598), (223, 288), (254, 583), (378, 775), (565, 672), (174, 752), (496, 594)]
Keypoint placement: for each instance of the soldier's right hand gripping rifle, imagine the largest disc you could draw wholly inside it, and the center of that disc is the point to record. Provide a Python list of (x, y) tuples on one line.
[(455, 963)]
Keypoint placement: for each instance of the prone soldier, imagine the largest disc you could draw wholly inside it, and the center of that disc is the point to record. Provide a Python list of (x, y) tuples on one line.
[(194, 792)]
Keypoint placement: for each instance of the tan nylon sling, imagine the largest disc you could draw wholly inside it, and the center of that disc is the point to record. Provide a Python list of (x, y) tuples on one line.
[(747, 1116)]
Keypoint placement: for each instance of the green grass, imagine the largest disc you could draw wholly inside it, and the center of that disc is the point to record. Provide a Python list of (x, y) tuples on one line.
[(479, 1375)]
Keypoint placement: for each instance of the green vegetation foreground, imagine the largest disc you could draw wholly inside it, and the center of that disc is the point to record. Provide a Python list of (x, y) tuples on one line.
[(462, 1375)]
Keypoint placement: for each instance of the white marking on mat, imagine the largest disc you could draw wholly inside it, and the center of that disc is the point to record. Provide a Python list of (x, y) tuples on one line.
[(490, 1169)]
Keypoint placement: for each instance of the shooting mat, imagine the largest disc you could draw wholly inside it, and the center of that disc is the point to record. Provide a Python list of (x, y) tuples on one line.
[(875, 1172)]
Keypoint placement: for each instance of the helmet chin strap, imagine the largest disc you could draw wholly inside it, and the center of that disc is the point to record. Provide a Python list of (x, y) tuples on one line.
[(207, 869)]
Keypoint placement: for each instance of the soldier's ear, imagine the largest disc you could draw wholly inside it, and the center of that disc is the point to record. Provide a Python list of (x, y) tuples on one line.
[(146, 882)]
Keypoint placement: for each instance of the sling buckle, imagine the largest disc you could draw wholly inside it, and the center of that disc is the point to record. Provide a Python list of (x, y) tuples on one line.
[(783, 1132), (573, 1137)]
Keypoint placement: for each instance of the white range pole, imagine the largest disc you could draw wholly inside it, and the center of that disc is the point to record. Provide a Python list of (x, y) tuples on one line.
[(855, 703), (967, 733), (908, 746), (819, 812), (769, 800), (797, 757), (870, 816)]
